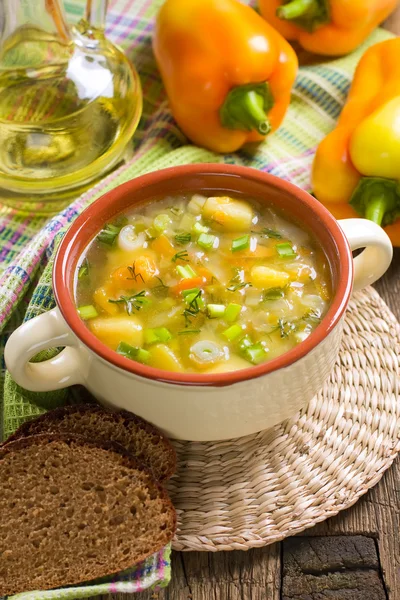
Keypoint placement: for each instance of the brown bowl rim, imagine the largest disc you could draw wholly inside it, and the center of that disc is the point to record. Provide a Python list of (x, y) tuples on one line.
[(66, 305)]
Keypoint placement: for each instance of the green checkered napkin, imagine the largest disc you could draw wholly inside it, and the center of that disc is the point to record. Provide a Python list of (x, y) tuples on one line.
[(27, 244)]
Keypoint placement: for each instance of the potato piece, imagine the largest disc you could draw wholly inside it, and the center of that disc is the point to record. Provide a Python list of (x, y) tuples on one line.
[(188, 221), (196, 204), (166, 303), (229, 213), (302, 273), (114, 330), (101, 296), (162, 357), (267, 277), (234, 363)]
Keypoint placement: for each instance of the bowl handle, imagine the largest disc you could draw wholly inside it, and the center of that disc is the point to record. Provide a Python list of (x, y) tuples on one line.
[(41, 333), (374, 261)]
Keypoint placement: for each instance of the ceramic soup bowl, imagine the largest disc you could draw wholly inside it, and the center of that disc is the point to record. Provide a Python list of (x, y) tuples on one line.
[(186, 405)]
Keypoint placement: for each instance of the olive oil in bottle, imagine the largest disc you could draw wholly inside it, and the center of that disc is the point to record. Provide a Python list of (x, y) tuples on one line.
[(69, 105)]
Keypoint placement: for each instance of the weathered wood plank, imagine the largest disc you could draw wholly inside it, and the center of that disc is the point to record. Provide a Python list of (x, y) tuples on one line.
[(378, 513), (235, 575), (341, 568)]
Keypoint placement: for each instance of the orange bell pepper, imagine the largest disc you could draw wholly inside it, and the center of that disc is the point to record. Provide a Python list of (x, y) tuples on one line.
[(227, 73), (356, 169), (330, 27)]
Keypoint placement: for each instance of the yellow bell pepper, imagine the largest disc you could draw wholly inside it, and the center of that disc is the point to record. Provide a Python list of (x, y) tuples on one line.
[(356, 170), (375, 143)]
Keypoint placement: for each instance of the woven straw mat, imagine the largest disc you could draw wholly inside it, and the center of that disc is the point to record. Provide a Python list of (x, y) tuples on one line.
[(256, 490)]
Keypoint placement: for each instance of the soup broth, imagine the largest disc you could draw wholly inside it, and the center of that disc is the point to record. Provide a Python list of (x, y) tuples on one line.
[(201, 284)]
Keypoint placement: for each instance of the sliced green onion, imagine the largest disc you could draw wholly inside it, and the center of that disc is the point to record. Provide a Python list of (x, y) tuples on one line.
[(183, 238), (186, 272), (274, 293), (256, 354), (206, 241), (232, 332), (161, 222), (83, 269), (155, 336), (285, 250), (241, 243), (215, 311), (138, 354), (143, 356), (232, 312), (199, 228), (108, 234), (245, 343), (87, 312), (206, 352), (194, 291)]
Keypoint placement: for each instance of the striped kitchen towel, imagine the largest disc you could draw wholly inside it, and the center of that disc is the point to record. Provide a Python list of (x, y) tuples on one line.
[(27, 243), (155, 572)]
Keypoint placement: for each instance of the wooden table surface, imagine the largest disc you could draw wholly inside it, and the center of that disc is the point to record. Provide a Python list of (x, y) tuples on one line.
[(354, 556)]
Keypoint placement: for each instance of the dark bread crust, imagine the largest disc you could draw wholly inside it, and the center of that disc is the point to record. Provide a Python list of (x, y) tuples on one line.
[(55, 417), (71, 439), (112, 455)]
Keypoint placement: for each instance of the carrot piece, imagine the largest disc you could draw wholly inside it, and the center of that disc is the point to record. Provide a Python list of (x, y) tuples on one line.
[(145, 267), (142, 270), (187, 284), (120, 279), (163, 246), (259, 252), (205, 273)]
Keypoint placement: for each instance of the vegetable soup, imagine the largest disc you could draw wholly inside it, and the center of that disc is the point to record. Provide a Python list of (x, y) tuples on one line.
[(202, 284)]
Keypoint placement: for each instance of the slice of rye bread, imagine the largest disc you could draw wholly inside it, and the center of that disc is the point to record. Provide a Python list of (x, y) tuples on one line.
[(92, 421), (72, 511)]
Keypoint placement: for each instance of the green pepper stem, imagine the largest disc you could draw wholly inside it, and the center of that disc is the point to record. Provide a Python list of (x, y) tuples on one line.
[(252, 106), (377, 199), (376, 208), (295, 9), (246, 108)]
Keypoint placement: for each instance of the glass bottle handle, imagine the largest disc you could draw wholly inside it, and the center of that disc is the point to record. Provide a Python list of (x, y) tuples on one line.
[(96, 11)]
